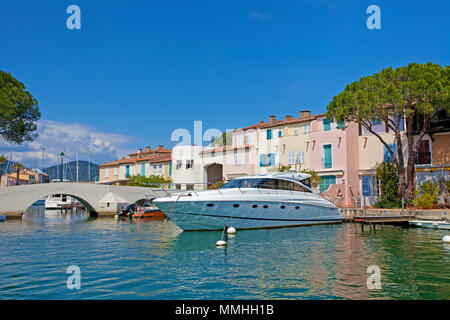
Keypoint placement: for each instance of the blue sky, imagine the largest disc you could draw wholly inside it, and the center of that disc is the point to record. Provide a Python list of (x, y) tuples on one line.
[(137, 70)]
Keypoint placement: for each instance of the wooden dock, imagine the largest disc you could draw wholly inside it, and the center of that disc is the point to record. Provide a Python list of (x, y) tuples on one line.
[(382, 217)]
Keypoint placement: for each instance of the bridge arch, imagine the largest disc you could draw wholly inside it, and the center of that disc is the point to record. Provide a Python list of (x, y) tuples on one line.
[(90, 208), (14, 200)]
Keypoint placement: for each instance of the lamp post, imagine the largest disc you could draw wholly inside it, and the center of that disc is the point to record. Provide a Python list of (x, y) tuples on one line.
[(62, 167)]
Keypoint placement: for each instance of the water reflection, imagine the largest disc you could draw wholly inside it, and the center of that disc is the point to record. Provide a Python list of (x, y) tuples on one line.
[(134, 259)]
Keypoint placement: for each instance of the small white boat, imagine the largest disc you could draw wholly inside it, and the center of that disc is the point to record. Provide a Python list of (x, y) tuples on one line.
[(432, 224), (263, 201), (55, 201)]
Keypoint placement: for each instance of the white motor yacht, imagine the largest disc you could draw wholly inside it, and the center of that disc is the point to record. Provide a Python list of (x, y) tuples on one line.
[(251, 202), (55, 201)]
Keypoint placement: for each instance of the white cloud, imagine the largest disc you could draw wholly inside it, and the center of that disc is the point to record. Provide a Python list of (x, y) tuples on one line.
[(71, 138)]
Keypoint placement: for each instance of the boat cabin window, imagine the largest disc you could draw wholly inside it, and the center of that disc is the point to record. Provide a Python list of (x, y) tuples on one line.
[(307, 182)]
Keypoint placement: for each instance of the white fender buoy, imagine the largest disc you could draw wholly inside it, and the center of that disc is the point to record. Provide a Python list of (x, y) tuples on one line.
[(221, 243), (116, 216), (446, 239), (2, 217), (231, 230)]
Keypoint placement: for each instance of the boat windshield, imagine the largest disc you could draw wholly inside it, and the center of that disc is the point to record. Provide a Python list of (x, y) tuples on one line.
[(266, 183)]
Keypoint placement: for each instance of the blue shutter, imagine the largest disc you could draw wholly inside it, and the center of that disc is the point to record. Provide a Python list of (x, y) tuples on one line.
[(326, 125), (327, 156), (271, 159), (279, 133), (143, 169), (366, 185), (127, 173), (386, 154), (262, 160), (269, 134)]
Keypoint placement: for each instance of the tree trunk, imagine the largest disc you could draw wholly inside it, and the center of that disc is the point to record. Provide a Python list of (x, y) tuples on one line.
[(17, 177), (410, 174), (401, 167)]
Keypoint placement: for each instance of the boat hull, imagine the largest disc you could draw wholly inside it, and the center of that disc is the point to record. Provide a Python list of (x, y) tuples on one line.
[(197, 215), (431, 224)]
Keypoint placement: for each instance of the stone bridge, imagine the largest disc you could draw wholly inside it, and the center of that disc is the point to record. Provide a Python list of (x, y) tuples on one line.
[(99, 199)]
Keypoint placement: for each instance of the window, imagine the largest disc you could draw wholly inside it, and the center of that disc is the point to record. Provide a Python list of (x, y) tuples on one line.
[(298, 187), (160, 166), (189, 187), (247, 138), (269, 134), (376, 123), (365, 185), (271, 159), (238, 158), (179, 164), (143, 169), (386, 154), (279, 133), (154, 166), (263, 160), (189, 164), (267, 160), (301, 156), (326, 125), (341, 125), (295, 132), (307, 128), (423, 155), (327, 158), (106, 172), (115, 171), (326, 182), (240, 140), (291, 157)]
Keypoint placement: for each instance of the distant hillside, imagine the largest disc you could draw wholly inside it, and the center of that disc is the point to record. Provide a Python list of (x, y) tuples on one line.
[(70, 171)]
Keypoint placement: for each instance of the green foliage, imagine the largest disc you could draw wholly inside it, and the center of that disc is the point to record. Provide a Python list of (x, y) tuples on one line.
[(283, 168), (141, 181), (388, 204), (18, 110), (226, 139), (387, 175), (216, 185), (315, 178), (448, 185), (426, 195)]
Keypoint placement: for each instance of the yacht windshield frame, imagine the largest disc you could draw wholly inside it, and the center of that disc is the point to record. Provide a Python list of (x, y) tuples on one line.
[(268, 183)]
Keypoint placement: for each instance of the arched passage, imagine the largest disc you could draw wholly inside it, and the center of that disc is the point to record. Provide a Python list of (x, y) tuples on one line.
[(85, 203), (214, 173)]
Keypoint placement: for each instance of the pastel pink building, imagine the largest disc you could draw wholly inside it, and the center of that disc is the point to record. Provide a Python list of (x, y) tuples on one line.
[(334, 156)]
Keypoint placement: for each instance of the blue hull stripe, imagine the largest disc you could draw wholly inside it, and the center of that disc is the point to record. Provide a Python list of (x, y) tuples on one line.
[(248, 218)]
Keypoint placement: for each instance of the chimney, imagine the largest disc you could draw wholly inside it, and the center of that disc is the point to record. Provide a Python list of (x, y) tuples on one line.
[(305, 114), (160, 146), (287, 118), (139, 151), (272, 119), (147, 149)]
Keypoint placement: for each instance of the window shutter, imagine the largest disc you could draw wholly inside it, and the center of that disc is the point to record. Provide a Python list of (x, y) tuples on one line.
[(366, 186), (262, 160)]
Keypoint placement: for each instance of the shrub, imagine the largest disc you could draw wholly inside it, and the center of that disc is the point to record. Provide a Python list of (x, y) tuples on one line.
[(425, 195)]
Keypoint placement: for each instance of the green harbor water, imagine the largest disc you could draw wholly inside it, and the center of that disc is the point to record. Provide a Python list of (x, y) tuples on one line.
[(145, 259)]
